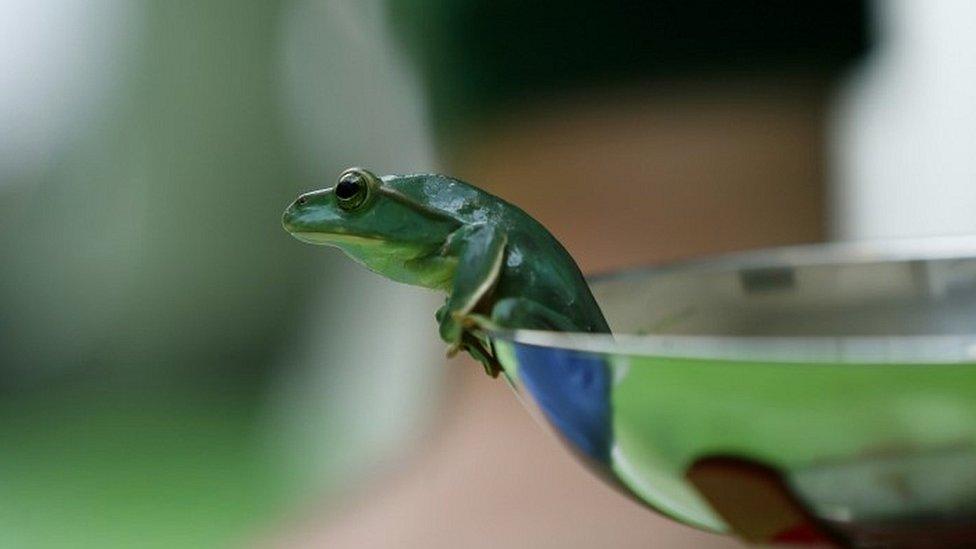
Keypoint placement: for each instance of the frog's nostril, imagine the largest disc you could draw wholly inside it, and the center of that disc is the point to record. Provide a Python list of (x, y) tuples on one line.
[(301, 200)]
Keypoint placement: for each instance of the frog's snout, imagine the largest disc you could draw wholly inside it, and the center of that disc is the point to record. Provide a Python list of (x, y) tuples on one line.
[(289, 218)]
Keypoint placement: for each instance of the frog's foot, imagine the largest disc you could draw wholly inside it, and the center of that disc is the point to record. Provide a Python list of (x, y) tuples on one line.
[(456, 331), (454, 348), (474, 347), (474, 321), (479, 352), (453, 333)]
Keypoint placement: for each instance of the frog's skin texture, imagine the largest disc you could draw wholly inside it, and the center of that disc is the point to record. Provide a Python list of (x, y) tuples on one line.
[(499, 267)]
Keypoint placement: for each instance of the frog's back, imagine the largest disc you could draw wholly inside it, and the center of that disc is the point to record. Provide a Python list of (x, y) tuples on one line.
[(536, 265)]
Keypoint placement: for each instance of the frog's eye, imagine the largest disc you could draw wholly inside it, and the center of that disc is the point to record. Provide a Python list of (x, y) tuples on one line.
[(353, 189)]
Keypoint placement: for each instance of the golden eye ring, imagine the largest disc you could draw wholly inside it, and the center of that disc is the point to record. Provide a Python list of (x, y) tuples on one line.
[(355, 188)]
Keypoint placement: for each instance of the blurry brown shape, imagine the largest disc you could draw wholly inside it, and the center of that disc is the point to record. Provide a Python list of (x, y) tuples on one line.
[(760, 507), (753, 499), (637, 177)]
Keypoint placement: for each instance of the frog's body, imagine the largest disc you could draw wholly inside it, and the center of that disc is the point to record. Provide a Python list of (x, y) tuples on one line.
[(499, 267)]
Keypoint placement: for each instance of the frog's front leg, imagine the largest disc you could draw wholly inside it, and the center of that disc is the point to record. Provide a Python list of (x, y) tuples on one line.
[(480, 251)]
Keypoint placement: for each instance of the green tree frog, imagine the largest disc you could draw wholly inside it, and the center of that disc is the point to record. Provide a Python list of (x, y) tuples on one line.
[(500, 268)]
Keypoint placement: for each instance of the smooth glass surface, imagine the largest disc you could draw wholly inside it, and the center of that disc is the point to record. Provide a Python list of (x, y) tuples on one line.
[(849, 369)]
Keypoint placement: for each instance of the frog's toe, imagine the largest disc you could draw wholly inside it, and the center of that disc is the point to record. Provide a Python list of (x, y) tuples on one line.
[(454, 349), (477, 322), (441, 313), (450, 331)]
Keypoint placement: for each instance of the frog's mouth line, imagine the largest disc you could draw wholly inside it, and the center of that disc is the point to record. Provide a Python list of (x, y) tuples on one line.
[(335, 238)]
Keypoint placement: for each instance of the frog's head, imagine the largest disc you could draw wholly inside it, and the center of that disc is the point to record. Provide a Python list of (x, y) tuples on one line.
[(371, 221)]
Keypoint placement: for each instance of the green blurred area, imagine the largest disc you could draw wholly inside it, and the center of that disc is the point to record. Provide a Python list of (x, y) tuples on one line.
[(107, 468)]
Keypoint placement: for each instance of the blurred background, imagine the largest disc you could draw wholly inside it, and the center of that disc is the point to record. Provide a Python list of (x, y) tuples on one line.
[(175, 370)]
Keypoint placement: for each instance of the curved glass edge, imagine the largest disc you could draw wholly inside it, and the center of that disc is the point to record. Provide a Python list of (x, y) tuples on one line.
[(551, 388), (805, 425), (825, 253), (868, 350)]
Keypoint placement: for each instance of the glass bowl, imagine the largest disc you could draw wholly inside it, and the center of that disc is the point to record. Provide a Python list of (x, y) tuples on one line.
[(822, 394)]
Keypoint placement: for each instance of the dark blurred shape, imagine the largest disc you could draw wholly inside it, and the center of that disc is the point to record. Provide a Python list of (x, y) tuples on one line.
[(481, 57), (756, 502)]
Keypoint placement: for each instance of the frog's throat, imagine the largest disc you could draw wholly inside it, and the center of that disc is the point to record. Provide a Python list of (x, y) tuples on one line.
[(336, 239), (357, 245), (373, 249), (417, 266)]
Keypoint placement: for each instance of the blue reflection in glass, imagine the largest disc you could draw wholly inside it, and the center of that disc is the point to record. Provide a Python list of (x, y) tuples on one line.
[(573, 391)]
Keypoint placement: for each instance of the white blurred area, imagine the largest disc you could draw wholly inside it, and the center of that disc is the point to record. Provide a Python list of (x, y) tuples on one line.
[(60, 60), (359, 388), (904, 150), (346, 91)]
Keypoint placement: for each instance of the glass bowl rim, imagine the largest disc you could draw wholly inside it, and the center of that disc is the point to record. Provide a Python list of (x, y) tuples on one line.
[(828, 349)]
